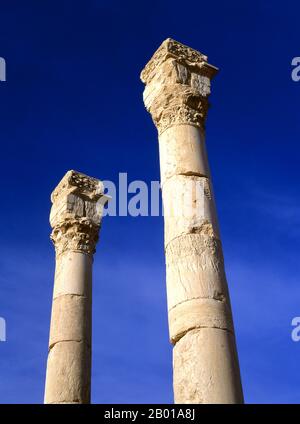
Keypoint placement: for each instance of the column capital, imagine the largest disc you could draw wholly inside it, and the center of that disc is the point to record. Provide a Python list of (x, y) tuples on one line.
[(177, 81), (76, 213)]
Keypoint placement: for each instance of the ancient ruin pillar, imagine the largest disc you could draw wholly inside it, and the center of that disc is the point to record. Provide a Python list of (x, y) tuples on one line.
[(75, 218), (205, 362)]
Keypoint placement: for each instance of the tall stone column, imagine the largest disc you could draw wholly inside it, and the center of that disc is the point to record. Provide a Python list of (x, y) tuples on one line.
[(205, 362), (75, 218)]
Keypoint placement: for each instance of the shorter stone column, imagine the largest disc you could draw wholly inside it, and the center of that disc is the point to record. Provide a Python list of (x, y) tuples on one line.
[(75, 218)]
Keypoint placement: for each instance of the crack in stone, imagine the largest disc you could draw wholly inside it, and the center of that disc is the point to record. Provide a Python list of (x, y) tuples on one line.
[(194, 230), (70, 295), (67, 341), (221, 298), (194, 329), (76, 401), (186, 174)]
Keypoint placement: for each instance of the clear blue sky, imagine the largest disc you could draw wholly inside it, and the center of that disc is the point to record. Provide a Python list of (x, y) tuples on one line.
[(73, 100)]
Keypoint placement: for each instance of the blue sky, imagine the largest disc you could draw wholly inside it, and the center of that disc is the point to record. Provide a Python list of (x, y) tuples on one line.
[(73, 100)]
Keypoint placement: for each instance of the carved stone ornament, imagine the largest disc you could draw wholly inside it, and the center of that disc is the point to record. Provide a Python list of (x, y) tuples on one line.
[(76, 213), (177, 82)]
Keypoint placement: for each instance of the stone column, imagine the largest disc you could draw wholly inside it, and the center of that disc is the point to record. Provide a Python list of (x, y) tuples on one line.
[(205, 362), (75, 218)]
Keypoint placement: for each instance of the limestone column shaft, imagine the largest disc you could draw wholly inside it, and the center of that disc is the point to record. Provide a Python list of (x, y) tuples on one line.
[(205, 362), (76, 219)]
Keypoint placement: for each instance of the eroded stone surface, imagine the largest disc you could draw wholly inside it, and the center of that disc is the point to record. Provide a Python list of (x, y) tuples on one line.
[(182, 152), (68, 373), (206, 368), (71, 319), (195, 269), (199, 313), (189, 207)]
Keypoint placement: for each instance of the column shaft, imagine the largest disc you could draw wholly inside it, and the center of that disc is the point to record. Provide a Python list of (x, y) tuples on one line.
[(69, 361), (201, 328)]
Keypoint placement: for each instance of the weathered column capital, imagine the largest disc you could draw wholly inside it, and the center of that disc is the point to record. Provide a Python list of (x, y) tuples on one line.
[(76, 213), (177, 82)]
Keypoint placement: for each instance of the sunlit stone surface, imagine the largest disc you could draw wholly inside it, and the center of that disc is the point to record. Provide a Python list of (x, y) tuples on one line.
[(205, 361), (76, 219)]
